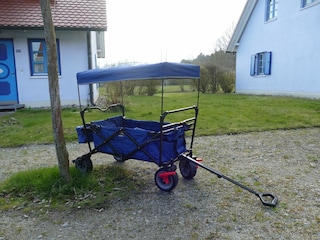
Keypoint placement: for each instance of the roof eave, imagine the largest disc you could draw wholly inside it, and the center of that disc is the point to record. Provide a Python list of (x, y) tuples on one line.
[(243, 20), (56, 28)]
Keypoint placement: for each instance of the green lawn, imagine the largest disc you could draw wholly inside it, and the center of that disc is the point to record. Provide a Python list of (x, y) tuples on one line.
[(218, 114)]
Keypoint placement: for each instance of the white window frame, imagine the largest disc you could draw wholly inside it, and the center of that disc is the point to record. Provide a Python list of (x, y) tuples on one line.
[(271, 9)]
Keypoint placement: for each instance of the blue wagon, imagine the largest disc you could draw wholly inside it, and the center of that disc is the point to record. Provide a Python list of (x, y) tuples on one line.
[(160, 141)]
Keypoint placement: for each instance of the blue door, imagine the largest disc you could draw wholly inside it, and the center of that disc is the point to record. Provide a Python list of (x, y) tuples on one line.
[(8, 83)]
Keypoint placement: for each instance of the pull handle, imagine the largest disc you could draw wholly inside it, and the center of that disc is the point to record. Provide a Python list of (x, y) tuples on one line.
[(268, 199)]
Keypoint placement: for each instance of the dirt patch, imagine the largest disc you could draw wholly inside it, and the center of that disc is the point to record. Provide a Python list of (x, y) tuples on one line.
[(285, 163)]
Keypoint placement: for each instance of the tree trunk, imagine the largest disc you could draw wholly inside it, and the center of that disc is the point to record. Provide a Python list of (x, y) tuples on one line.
[(50, 38)]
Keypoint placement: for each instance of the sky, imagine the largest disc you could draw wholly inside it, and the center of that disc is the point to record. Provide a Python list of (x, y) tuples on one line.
[(149, 31)]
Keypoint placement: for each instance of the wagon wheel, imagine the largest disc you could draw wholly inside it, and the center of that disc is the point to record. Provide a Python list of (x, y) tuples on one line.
[(85, 165), (187, 169), (166, 180)]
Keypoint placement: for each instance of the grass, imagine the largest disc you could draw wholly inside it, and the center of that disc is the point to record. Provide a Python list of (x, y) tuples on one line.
[(219, 114), (45, 188), (242, 113)]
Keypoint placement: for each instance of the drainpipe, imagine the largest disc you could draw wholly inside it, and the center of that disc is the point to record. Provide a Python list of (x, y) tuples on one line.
[(90, 66)]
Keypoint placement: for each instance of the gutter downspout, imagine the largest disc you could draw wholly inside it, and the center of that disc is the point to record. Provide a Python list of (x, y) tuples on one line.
[(90, 66)]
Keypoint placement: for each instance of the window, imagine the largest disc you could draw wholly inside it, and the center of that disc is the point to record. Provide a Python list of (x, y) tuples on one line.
[(260, 64), (307, 2), (38, 57), (272, 9)]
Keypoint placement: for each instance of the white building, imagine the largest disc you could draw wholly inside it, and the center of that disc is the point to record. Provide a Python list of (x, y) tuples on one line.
[(23, 66), (276, 47)]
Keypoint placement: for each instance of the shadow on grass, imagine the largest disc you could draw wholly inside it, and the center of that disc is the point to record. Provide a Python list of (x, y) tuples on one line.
[(44, 187)]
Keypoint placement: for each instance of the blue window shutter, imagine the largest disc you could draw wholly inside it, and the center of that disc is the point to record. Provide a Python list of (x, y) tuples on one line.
[(267, 67), (253, 65)]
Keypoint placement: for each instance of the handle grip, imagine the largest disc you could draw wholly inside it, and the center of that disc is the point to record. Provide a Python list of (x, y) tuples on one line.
[(268, 199)]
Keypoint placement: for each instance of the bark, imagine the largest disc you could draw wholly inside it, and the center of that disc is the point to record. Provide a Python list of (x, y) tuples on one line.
[(50, 38)]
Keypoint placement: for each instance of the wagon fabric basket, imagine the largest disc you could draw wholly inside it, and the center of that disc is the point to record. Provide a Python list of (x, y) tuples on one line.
[(135, 139)]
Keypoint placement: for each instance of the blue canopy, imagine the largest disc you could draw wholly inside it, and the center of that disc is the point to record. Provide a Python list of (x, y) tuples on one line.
[(164, 70)]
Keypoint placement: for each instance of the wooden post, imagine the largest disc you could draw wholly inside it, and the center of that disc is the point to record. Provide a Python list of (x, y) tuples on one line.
[(50, 38)]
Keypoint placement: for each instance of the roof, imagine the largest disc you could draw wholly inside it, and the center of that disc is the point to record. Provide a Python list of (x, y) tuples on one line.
[(66, 14), (242, 23), (164, 70)]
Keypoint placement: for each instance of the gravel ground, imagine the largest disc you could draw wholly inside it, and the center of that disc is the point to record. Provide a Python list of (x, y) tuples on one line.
[(285, 163)]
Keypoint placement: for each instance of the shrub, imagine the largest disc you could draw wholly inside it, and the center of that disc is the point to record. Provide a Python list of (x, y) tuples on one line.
[(148, 87), (227, 81), (114, 92), (204, 80)]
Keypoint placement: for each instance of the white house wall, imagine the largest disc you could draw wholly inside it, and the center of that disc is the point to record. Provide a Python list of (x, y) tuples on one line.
[(293, 39), (33, 91)]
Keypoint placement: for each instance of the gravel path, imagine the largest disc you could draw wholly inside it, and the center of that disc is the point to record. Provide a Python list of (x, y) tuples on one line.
[(285, 163)]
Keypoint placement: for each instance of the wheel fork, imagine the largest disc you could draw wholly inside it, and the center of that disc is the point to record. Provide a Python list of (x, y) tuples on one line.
[(165, 176)]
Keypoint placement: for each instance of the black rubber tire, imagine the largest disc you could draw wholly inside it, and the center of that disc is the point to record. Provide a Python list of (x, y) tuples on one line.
[(86, 165), (187, 169), (173, 181)]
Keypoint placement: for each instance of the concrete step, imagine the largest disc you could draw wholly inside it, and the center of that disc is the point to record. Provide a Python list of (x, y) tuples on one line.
[(11, 107)]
